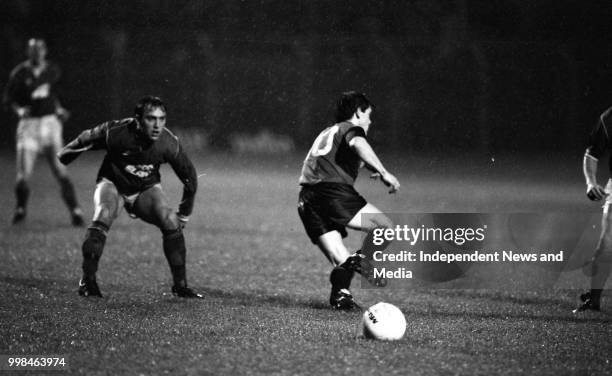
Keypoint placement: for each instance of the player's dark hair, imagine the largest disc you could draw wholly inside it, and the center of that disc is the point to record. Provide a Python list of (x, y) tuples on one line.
[(148, 101), (348, 104)]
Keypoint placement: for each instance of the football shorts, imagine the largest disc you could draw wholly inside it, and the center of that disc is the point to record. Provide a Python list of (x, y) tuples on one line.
[(128, 200), (38, 133), (326, 207)]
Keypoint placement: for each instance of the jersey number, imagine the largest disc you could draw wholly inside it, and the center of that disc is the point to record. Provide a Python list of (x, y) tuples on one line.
[(324, 142)]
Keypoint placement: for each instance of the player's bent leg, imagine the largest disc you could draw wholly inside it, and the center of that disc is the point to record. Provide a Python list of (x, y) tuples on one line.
[(369, 219), (67, 188), (152, 207), (107, 202), (26, 157), (340, 277)]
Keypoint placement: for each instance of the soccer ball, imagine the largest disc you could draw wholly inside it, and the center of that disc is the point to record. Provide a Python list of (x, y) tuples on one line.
[(383, 321)]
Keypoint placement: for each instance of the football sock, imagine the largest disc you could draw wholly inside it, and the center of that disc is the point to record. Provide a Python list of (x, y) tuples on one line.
[(95, 237), (22, 191), (68, 193), (175, 251), (602, 265), (340, 278)]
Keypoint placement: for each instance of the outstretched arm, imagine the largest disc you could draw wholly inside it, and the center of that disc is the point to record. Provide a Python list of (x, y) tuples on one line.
[(90, 139), (363, 149), (186, 172)]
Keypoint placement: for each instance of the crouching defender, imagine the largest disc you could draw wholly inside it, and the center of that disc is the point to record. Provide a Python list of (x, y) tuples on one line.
[(129, 177), (599, 145), (328, 202)]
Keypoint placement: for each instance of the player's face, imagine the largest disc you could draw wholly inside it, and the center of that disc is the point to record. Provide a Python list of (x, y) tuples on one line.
[(37, 51), (153, 122)]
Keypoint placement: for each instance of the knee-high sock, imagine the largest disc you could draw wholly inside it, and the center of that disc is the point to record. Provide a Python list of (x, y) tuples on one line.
[(602, 266), (95, 237), (175, 251), (340, 278), (68, 193), (22, 192)]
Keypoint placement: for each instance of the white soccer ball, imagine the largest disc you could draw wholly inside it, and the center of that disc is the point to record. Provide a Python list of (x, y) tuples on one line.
[(383, 321)]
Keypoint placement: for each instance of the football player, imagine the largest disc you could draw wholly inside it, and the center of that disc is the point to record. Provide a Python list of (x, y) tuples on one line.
[(328, 202), (601, 264), (29, 94), (129, 177)]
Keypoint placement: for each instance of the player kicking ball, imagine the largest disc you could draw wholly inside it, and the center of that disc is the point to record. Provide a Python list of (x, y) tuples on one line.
[(129, 177), (328, 202), (601, 264)]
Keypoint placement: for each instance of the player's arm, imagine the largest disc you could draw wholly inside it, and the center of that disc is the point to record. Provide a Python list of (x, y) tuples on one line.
[(363, 149), (9, 95), (595, 191), (598, 144), (186, 172), (90, 139)]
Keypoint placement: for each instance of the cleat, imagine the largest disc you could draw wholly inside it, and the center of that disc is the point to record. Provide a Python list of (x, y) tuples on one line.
[(358, 263), (19, 215), (185, 292), (342, 300), (588, 304), (89, 287)]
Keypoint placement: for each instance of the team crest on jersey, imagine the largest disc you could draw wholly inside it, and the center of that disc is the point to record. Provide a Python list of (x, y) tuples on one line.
[(142, 171)]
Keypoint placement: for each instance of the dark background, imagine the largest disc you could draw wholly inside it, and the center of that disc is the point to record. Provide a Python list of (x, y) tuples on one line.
[(445, 75)]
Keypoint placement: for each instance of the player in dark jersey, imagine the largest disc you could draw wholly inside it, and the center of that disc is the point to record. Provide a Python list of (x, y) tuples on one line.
[(29, 94), (129, 177), (328, 202), (599, 145)]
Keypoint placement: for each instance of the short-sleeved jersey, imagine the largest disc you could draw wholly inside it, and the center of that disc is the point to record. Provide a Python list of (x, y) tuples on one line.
[(331, 159), (599, 139), (35, 91), (132, 161)]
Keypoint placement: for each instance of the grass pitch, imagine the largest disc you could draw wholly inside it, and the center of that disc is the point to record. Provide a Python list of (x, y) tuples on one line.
[(266, 286)]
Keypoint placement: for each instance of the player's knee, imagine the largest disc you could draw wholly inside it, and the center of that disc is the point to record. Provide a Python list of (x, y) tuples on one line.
[(168, 220)]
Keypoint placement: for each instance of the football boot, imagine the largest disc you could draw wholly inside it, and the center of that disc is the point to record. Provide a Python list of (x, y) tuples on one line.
[(357, 262), (587, 303), (185, 292), (89, 287), (342, 300)]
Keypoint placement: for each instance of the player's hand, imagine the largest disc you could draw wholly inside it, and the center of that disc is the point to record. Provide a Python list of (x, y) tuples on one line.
[(595, 192), (390, 181), (182, 219), (63, 114)]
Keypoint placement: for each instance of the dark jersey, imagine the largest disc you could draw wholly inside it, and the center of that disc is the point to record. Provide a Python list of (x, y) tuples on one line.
[(132, 161), (331, 159), (599, 140), (25, 88)]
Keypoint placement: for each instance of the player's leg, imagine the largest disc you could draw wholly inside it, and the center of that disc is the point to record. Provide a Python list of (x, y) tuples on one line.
[(107, 203), (328, 237), (53, 136), (367, 219), (152, 206), (27, 150), (333, 248), (601, 265)]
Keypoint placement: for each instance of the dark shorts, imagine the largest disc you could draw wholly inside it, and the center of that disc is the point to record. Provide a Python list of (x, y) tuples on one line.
[(326, 207)]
